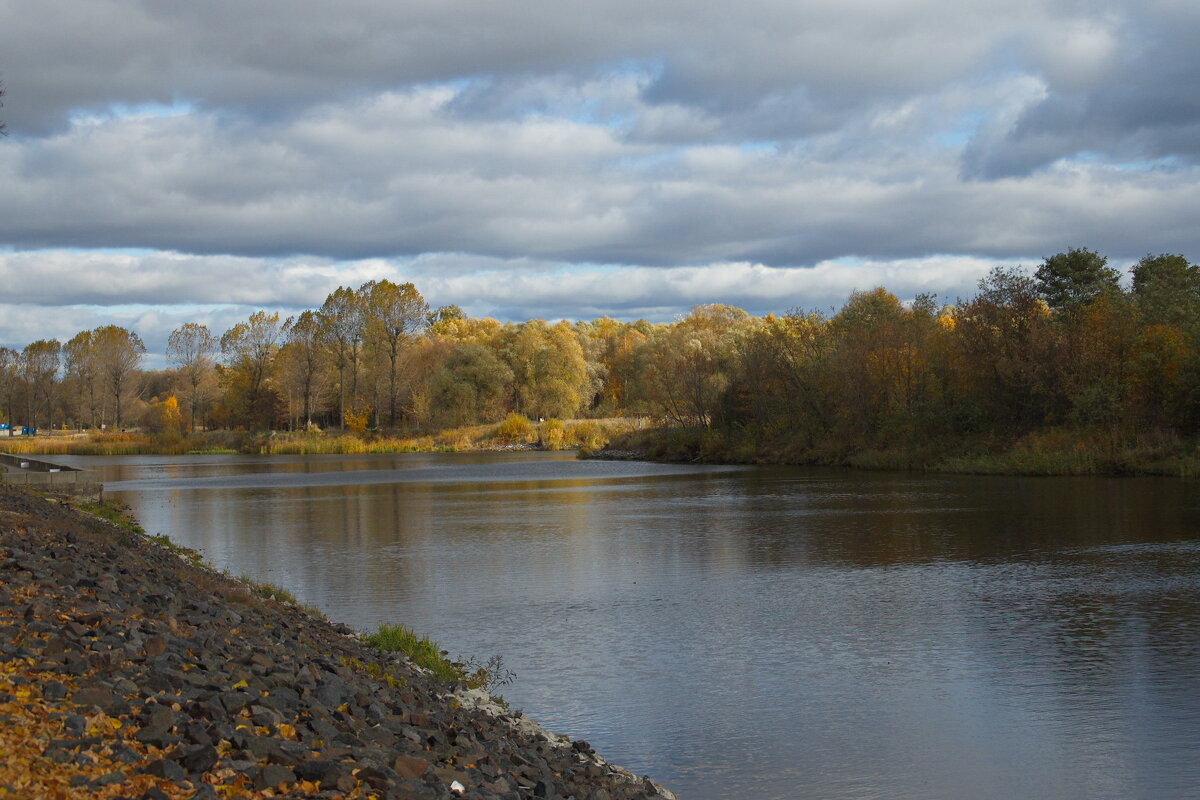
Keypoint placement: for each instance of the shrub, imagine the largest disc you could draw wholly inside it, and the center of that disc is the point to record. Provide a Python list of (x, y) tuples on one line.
[(551, 434), (587, 434), (515, 429)]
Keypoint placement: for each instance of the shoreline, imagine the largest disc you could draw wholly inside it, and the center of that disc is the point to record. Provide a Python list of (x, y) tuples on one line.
[(127, 670), (1051, 452), (513, 433), (1039, 454)]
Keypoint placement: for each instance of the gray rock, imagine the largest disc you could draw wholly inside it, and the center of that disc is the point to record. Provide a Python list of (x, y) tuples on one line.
[(199, 758), (166, 769), (272, 775)]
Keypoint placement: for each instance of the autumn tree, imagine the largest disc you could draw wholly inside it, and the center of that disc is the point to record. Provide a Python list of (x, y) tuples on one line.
[(248, 350), (190, 347), (692, 361), (467, 330), (302, 361), (1005, 338), (1094, 347), (393, 315), (82, 375), (342, 331), (1167, 290), (1165, 357), (781, 386), (443, 314), (470, 384), (40, 362), (549, 370), (886, 388), (1160, 363), (118, 354), (625, 360), (9, 361)]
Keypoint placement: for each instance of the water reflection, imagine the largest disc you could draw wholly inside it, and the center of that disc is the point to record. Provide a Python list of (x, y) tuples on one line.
[(757, 632)]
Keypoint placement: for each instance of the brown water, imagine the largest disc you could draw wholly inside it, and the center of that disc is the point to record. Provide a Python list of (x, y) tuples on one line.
[(756, 632)]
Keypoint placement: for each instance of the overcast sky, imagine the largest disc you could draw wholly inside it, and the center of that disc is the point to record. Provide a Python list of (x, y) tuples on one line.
[(173, 160)]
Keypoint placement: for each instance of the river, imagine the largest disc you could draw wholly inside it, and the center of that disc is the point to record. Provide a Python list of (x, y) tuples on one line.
[(769, 632)]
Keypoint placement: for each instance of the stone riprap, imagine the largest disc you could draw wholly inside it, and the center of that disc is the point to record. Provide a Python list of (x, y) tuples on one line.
[(126, 671)]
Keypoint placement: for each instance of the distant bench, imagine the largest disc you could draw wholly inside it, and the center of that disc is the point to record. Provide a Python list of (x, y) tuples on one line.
[(47, 477)]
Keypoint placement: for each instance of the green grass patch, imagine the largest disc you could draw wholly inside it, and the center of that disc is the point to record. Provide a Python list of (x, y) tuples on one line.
[(269, 591), (162, 540), (112, 511), (426, 653), (421, 650)]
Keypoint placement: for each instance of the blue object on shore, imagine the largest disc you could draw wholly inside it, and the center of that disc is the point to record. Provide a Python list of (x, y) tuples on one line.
[(28, 430)]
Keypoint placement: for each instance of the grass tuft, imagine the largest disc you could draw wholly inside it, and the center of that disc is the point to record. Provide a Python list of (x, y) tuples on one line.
[(421, 650)]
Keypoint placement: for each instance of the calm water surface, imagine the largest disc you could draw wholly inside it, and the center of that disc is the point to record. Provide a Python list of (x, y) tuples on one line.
[(756, 632)]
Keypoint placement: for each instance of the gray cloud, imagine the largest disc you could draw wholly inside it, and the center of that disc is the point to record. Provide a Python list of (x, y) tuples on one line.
[(1120, 86), (265, 153), (399, 175)]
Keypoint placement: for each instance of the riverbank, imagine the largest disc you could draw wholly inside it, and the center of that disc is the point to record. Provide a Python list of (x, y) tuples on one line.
[(128, 671), (1050, 452), (514, 432)]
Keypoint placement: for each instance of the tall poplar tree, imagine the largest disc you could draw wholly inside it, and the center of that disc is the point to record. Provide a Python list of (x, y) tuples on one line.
[(394, 314), (191, 347)]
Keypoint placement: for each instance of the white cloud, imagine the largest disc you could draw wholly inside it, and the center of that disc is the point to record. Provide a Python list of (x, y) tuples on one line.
[(157, 296)]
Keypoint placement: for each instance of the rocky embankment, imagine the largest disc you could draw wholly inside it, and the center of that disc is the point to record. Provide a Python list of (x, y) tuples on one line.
[(126, 671)]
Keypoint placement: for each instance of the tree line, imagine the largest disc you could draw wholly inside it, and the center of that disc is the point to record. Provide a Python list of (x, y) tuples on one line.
[(1062, 346)]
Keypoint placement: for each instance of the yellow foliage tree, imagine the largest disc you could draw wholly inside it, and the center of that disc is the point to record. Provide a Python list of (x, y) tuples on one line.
[(170, 417), (355, 418)]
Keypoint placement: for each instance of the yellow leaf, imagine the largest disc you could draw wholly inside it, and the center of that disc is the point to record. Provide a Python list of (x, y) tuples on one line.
[(240, 684)]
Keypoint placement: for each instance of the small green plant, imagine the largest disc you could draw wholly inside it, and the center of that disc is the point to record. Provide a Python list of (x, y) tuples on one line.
[(425, 653), (373, 670), (162, 540), (269, 591), (488, 675), (421, 650), (113, 511)]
